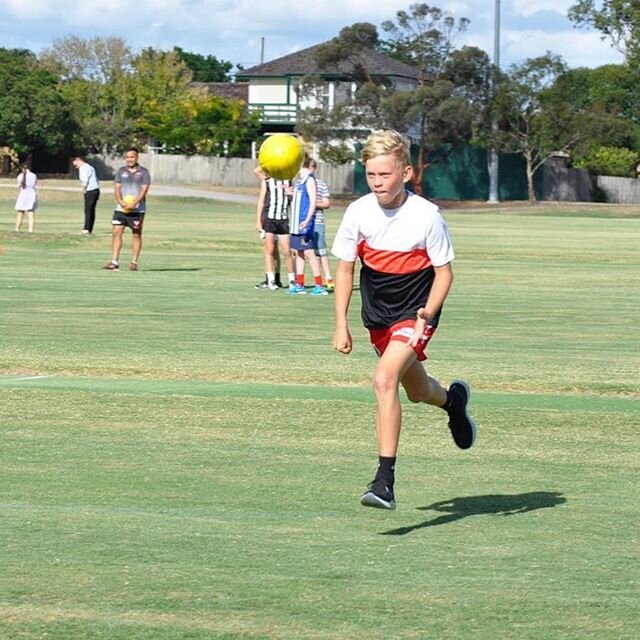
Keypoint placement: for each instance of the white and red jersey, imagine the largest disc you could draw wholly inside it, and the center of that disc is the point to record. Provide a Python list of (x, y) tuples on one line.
[(398, 249)]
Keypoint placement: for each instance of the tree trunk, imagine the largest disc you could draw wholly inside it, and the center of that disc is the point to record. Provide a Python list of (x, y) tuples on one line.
[(417, 175), (422, 161), (530, 188)]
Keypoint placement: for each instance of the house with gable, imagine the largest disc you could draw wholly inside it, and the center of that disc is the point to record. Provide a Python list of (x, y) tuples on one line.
[(273, 87)]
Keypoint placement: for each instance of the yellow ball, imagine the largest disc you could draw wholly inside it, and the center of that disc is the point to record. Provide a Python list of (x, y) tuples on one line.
[(281, 156), (129, 200)]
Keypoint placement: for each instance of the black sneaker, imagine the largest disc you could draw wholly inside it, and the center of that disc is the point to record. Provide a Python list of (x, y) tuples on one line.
[(262, 285), (378, 495), (461, 425), (278, 281)]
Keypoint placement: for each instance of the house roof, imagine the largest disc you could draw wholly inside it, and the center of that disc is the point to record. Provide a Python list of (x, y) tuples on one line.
[(226, 90), (304, 62)]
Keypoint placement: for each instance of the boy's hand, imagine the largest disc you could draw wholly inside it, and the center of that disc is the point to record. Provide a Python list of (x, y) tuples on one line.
[(418, 331), (342, 341)]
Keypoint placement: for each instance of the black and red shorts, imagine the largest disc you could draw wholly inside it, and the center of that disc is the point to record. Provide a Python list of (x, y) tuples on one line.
[(134, 221), (402, 331)]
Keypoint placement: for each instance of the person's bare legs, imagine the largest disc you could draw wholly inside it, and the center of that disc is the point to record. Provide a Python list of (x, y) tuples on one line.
[(314, 262), (276, 258), (116, 242), (31, 221), (326, 267), (299, 265), (270, 252), (285, 247), (136, 244), (421, 387), (19, 217), (392, 367), (397, 359)]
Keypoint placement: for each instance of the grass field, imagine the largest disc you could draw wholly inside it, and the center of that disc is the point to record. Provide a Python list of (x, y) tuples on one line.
[(182, 455)]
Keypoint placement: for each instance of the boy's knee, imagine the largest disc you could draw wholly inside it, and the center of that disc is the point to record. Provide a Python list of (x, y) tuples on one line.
[(384, 382)]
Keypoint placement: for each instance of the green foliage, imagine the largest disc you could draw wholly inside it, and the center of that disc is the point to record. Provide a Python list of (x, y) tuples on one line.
[(349, 46), (424, 38), (617, 20), (205, 68), (199, 123), (96, 83), (611, 89), (452, 93), (33, 114), (119, 98), (529, 122), (337, 153), (605, 101), (610, 161), (100, 60)]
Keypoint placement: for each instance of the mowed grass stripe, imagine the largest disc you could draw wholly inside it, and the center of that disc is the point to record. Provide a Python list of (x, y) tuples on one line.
[(333, 393)]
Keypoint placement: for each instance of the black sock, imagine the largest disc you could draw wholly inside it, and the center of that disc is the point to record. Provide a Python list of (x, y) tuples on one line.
[(386, 469), (447, 405)]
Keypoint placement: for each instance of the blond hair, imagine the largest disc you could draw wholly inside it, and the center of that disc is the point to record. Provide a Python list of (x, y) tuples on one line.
[(387, 143)]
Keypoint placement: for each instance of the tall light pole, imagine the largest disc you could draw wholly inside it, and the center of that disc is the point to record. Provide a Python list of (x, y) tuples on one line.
[(493, 155)]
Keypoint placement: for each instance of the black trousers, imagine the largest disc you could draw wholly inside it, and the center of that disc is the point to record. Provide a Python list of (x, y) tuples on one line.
[(90, 201)]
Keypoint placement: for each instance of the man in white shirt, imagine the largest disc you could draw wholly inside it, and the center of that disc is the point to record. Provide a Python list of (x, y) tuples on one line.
[(91, 191)]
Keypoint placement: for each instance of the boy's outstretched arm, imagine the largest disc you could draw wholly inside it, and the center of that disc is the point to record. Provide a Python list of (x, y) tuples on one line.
[(344, 286)]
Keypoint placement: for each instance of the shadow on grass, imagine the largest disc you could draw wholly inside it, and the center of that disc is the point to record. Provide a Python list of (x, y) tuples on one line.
[(491, 505)]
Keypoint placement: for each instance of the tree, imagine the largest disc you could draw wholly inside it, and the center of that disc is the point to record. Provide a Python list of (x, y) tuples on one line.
[(610, 161), (528, 124), (350, 46), (95, 82), (424, 38), (205, 68), (617, 20), (612, 88), (605, 101), (33, 114), (159, 80), (203, 124), (439, 113), (99, 60), (355, 112)]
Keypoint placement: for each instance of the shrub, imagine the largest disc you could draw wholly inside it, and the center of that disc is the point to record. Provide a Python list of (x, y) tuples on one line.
[(610, 161)]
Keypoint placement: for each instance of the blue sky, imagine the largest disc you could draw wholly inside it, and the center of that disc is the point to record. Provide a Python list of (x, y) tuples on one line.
[(233, 30)]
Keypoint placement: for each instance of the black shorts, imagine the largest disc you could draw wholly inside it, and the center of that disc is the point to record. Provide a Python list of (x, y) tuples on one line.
[(134, 221), (277, 227)]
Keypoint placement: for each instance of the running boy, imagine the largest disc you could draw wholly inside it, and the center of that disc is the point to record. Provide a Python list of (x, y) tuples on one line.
[(405, 251)]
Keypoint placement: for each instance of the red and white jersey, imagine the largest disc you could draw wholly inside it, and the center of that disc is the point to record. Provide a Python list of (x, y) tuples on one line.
[(398, 249)]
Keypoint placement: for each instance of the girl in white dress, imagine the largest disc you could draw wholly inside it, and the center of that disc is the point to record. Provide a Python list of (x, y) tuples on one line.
[(27, 197)]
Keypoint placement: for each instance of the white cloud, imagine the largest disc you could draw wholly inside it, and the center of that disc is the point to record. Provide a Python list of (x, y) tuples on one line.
[(32, 10), (531, 7), (579, 49), (233, 29)]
